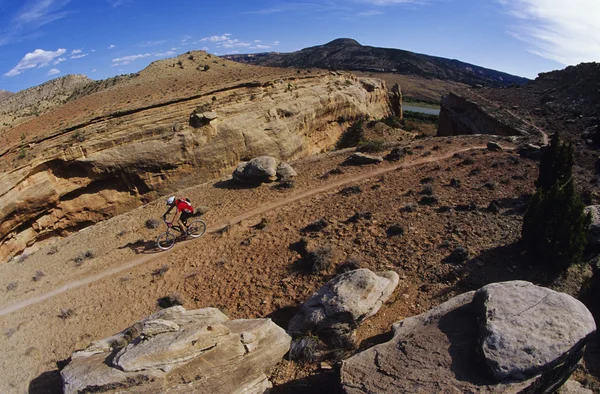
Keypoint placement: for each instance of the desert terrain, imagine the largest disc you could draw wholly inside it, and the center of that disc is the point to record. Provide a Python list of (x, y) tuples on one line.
[(87, 266)]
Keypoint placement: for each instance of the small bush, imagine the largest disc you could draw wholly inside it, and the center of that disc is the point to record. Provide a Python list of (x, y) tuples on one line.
[(160, 271), (88, 254), (360, 215), (170, 300), (410, 207), (458, 256), (371, 146), (152, 224), (53, 250), (11, 286), (318, 260), (65, 313), (455, 183), (38, 276)]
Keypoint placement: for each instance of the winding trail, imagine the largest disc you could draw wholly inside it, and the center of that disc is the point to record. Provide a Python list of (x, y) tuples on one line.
[(9, 308)]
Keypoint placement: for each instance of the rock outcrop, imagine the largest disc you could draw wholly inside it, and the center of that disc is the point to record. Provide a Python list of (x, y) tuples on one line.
[(179, 351), (466, 114), (443, 350), (75, 177), (359, 159), (258, 170), (342, 304)]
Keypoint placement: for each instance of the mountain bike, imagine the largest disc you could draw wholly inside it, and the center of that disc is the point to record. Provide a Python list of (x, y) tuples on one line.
[(166, 240)]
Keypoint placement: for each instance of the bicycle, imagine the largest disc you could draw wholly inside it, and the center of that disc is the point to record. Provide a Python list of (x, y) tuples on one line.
[(166, 240)]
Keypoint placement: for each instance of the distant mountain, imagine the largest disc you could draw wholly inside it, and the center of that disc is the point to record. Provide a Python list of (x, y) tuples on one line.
[(348, 54), (4, 94)]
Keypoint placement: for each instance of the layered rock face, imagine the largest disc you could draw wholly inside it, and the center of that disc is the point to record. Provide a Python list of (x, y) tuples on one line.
[(179, 351), (79, 176), (467, 114), (511, 337)]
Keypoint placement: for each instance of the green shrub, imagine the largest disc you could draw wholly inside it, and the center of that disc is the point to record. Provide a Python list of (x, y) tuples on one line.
[(556, 164), (555, 226), (371, 146)]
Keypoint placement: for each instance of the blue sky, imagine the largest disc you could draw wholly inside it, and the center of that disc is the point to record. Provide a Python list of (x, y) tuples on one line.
[(45, 39)]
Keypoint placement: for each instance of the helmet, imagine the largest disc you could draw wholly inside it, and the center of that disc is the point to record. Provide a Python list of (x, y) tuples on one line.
[(170, 200)]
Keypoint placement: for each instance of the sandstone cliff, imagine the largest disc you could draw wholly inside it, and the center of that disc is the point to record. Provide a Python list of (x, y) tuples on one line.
[(71, 178)]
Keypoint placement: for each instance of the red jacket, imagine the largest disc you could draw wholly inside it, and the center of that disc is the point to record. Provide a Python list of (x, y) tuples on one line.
[(184, 206)]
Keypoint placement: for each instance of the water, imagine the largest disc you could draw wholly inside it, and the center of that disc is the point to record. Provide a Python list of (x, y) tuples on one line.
[(423, 110)]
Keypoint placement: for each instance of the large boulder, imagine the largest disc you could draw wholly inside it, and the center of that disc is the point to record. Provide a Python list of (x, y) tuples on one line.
[(202, 119), (258, 170), (438, 351), (594, 234), (180, 351), (526, 330), (333, 312)]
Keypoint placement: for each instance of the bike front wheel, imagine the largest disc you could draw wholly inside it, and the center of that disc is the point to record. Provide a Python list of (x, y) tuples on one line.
[(165, 241), (196, 228)]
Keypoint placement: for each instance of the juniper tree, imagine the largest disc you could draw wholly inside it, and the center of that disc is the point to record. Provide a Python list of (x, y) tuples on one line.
[(555, 226), (556, 163)]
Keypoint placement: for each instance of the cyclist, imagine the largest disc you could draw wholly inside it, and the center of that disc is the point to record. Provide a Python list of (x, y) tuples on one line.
[(184, 209)]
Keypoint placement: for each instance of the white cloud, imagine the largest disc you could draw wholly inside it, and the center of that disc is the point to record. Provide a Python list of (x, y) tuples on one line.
[(53, 71), (32, 15), (122, 61), (111, 46), (76, 51), (167, 53), (118, 3), (370, 13), (59, 60), (566, 32), (224, 37), (94, 70), (79, 56), (391, 2), (35, 59), (152, 43)]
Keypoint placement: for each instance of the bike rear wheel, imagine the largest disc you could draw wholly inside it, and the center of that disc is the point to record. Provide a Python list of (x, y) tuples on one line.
[(166, 240), (196, 228)]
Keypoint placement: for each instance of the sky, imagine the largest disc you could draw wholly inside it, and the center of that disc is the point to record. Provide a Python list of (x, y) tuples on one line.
[(45, 39)]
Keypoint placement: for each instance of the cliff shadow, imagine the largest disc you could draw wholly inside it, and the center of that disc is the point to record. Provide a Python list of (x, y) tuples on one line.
[(48, 382), (232, 184), (323, 382)]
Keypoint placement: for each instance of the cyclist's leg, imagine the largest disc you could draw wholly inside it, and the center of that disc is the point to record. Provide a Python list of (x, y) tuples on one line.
[(183, 218)]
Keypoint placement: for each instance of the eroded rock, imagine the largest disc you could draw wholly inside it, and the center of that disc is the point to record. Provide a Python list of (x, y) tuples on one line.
[(594, 234), (435, 352), (342, 304), (199, 351), (285, 171), (527, 330), (258, 170)]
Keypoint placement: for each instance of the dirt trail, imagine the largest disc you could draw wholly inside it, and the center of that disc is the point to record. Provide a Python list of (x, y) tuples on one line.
[(7, 309)]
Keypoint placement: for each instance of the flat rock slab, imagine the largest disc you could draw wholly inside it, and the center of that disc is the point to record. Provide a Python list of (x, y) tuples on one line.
[(526, 329), (361, 158), (179, 351), (436, 352)]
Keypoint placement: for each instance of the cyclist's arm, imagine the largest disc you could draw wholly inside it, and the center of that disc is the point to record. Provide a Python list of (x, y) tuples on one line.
[(166, 213)]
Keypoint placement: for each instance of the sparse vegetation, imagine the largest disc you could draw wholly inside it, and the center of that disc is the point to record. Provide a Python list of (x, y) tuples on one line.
[(394, 230), (152, 224), (11, 286), (38, 276), (316, 226), (87, 255), (353, 135), (161, 271), (371, 146), (305, 348), (65, 313), (170, 300)]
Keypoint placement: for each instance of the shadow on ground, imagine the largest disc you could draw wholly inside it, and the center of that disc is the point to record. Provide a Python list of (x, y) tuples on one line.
[(325, 382), (231, 184), (47, 383), (141, 246)]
